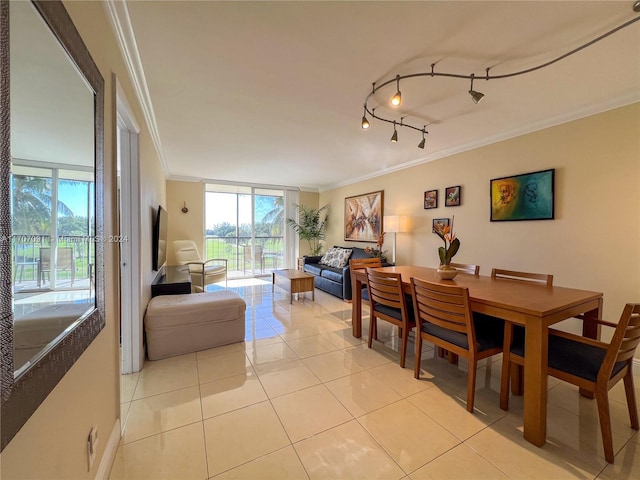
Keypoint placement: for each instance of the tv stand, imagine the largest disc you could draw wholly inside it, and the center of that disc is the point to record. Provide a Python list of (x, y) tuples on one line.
[(172, 280)]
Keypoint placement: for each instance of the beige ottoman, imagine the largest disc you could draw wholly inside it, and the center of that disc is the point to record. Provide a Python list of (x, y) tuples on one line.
[(179, 324)]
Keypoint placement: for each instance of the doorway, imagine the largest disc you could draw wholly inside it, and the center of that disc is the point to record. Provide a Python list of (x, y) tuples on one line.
[(128, 211)]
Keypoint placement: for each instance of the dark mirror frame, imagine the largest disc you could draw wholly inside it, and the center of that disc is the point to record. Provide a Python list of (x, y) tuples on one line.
[(22, 395)]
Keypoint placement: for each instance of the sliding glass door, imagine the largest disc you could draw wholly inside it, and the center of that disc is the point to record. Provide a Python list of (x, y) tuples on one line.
[(245, 225), (52, 228)]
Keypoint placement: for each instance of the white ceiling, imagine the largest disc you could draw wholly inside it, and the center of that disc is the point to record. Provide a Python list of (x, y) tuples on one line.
[(273, 92)]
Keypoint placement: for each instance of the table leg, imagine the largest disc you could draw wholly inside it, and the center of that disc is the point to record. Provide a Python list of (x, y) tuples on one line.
[(356, 308), (535, 383)]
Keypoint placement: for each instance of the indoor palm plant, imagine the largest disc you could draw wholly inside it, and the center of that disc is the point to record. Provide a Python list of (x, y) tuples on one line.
[(310, 226)]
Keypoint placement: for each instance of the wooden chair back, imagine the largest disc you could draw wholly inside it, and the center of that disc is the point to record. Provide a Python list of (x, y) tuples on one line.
[(624, 342), (526, 276), (442, 305), (444, 318), (359, 263), (467, 268), (388, 302)]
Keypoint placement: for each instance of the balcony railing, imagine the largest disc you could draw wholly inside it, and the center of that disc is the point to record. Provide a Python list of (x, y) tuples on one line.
[(269, 253), (28, 250)]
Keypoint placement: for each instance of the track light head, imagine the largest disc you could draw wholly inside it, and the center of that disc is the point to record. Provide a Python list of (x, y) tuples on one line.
[(397, 98), (394, 137), (365, 123), (476, 96), (421, 144)]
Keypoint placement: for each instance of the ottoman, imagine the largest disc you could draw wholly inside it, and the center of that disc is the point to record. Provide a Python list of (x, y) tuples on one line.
[(179, 324)]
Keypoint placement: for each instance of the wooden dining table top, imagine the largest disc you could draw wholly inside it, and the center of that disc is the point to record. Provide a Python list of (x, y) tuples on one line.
[(524, 297)]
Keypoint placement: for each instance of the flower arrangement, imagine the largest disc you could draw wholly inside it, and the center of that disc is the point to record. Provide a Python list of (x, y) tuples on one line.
[(451, 243), (377, 252)]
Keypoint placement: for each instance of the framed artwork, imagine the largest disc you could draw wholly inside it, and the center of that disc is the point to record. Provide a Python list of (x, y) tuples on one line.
[(431, 199), (439, 221), (363, 217), (452, 196), (523, 197)]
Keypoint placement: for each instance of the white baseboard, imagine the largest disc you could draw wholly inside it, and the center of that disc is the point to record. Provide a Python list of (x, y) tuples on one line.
[(109, 455)]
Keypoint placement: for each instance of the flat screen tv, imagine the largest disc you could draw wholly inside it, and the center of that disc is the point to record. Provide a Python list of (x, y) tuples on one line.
[(160, 239)]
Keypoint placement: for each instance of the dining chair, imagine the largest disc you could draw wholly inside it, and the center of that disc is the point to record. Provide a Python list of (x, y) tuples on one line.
[(444, 318), (203, 272), (592, 365), (509, 328), (361, 263), (467, 268), (525, 276), (388, 302)]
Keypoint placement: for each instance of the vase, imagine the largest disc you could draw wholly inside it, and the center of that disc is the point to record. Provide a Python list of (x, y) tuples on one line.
[(447, 272)]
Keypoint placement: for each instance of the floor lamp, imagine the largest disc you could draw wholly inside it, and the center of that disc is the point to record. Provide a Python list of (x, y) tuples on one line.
[(395, 224)]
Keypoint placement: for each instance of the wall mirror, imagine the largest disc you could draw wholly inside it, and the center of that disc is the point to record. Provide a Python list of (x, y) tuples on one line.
[(51, 254)]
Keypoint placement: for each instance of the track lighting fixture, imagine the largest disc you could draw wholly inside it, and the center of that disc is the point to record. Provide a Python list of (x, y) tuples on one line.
[(397, 98), (476, 96), (365, 122), (421, 144)]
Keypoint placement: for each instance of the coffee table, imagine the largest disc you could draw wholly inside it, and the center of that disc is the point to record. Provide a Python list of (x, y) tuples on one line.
[(293, 281)]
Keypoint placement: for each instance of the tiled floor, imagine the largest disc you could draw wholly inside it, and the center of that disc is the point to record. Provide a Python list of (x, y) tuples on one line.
[(303, 399)]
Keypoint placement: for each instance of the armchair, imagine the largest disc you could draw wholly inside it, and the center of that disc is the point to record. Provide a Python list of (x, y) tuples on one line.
[(203, 272)]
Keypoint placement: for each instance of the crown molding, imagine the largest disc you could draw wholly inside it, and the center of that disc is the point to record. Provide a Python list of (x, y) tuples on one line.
[(118, 15), (578, 114)]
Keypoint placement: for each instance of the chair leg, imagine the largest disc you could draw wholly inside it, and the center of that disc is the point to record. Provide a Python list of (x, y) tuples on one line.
[(403, 347), (517, 379), (416, 365), (471, 384), (602, 399), (504, 381), (631, 399), (372, 327)]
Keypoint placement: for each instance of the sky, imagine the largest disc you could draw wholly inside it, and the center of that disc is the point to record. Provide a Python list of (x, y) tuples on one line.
[(221, 207)]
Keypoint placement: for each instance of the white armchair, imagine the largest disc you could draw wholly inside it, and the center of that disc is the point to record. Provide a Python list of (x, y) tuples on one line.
[(203, 272)]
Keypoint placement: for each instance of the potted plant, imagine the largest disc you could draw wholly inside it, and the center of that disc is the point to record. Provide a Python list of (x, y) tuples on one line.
[(310, 226)]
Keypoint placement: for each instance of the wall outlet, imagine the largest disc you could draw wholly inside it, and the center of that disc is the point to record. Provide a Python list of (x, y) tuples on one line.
[(92, 445)]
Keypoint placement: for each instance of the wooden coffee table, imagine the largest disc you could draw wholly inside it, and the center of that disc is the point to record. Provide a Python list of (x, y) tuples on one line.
[(294, 281)]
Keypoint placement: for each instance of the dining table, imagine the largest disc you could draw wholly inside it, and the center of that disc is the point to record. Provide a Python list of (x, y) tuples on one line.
[(532, 305)]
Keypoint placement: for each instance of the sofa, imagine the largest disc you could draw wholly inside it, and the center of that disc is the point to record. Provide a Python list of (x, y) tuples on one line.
[(333, 280)]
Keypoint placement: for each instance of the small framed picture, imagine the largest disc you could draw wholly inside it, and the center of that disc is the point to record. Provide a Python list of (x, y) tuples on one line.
[(439, 221), (452, 196), (431, 199)]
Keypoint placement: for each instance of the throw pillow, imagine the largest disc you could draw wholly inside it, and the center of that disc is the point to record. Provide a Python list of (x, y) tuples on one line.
[(336, 257)]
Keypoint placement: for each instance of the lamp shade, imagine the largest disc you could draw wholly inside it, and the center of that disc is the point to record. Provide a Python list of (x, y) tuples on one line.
[(396, 223)]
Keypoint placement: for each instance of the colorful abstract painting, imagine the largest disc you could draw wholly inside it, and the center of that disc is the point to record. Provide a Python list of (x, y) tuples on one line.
[(363, 217), (523, 197)]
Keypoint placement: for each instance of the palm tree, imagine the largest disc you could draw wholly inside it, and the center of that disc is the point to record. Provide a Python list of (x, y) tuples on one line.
[(31, 212), (275, 216)]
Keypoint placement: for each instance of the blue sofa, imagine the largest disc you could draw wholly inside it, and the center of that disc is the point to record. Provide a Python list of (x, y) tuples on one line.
[(336, 281)]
